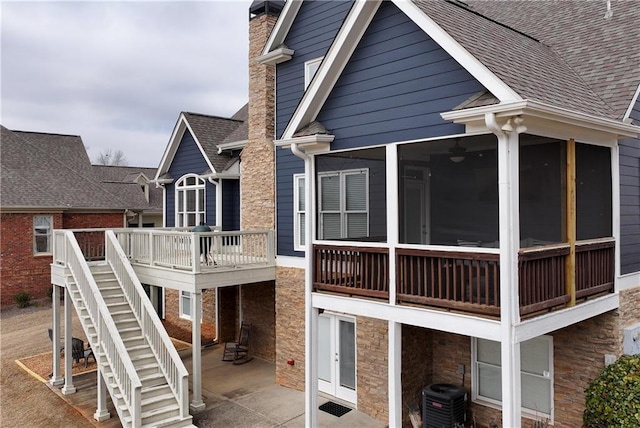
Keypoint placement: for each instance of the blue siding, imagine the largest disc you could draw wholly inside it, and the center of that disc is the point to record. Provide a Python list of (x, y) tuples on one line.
[(310, 36), (230, 204), (630, 200), (189, 160), (393, 89), (395, 86)]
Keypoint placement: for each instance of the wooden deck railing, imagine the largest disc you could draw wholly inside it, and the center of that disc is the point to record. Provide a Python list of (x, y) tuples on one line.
[(463, 281), (466, 281), (542, 278), (356, 271), (595, 267)]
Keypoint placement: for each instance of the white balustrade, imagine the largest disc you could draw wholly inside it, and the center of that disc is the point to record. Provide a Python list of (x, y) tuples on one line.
[(110, 345), (169, 361)]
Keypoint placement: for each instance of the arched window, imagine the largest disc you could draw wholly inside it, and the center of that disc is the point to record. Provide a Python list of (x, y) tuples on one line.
[(190, 202)]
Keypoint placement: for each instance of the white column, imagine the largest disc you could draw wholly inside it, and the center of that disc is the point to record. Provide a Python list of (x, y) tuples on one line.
[(196, 351), (392, 216), (68, 387), (56, 378), (508, 184), (101, 414), (311, 314), (394, 374)]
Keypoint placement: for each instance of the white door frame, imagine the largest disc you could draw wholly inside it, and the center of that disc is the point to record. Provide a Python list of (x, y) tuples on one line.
[(330, 357)]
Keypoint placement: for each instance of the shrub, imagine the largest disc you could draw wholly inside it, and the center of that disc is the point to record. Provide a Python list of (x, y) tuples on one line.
[(613, 398), (22, 299)]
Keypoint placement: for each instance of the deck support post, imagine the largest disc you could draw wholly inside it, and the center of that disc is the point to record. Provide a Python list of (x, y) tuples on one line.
[(101, 414), (68, 387), (196, 351), (56, 378)]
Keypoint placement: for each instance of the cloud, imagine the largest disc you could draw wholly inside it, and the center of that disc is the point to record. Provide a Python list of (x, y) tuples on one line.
[(119, 73)]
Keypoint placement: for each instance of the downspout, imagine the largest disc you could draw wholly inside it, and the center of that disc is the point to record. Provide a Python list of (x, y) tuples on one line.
[(310, 319), (508, 209)]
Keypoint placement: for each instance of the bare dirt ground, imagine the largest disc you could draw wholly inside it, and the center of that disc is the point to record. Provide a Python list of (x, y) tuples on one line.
[(25, 401)]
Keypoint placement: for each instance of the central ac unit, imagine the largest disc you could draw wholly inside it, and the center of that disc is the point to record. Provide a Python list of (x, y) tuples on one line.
[(443, 406)]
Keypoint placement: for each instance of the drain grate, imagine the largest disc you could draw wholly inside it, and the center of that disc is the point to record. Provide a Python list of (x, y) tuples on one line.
[(334, 409)]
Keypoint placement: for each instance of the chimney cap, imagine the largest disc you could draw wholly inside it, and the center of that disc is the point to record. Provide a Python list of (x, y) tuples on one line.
[(272, 7)]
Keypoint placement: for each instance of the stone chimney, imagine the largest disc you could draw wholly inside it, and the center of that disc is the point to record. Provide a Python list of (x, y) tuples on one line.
[(257, 178)]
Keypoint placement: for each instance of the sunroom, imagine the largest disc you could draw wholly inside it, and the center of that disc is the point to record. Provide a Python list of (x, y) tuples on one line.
[(431, 211)]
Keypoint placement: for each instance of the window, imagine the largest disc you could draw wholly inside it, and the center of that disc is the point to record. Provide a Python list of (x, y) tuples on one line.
[(185, 305), (190, 203), (299, 212), (344, 204), (536, 370), (310, 69), (42, 225)]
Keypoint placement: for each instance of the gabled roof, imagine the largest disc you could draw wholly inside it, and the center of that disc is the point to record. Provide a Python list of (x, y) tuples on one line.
[(603, 52), (52, 171), (562, 53), (208, 132), (127, 181)]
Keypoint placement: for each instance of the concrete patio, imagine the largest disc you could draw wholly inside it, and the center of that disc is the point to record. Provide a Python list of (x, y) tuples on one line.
[(235, 396)]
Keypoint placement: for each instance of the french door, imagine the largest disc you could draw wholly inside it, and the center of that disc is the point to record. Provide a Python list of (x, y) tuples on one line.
[(337, 356)]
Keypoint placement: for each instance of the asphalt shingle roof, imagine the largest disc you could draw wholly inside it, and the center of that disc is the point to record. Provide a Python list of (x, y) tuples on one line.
[(211, 131), (51, 171), (563, 53)]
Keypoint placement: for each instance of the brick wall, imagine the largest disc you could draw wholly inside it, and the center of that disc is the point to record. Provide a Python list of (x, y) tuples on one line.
[(372, 339), (258, 308), (20, 269), (290, 327)]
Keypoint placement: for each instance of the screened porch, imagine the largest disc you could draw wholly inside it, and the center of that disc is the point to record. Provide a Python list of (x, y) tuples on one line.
[(447, 253)]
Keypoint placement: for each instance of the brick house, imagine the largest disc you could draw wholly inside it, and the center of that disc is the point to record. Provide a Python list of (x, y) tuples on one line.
[(458, 203), (49, 183)]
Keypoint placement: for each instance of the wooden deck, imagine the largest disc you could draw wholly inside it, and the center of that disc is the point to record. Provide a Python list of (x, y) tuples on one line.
[(465, 280)]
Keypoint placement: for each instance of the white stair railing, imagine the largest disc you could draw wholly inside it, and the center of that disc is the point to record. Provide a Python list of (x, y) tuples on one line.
[(110, 345), (169, 361)]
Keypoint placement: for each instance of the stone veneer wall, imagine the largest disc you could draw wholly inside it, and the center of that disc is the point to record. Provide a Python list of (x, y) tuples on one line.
[(417, 367), (257, 178), (258, 308), (228, 314), (180, 328), (372, 341), (290, 327), (629, 309), (578, 358)]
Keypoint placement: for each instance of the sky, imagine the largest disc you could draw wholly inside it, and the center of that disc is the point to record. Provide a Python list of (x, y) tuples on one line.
[(119, 73)]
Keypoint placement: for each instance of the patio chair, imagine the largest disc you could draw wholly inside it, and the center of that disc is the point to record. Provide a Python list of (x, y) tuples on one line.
[(238, 352), (51, 339), (79, 352)]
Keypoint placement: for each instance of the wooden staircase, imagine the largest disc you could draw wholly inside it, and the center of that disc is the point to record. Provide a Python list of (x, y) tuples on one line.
[(160, 402)]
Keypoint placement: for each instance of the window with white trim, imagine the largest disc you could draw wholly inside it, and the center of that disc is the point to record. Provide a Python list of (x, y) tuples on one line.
[(190, 201), (536, 371), (343, 204), (310, 69), (299, 206), (42, 229), (185, 305)]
